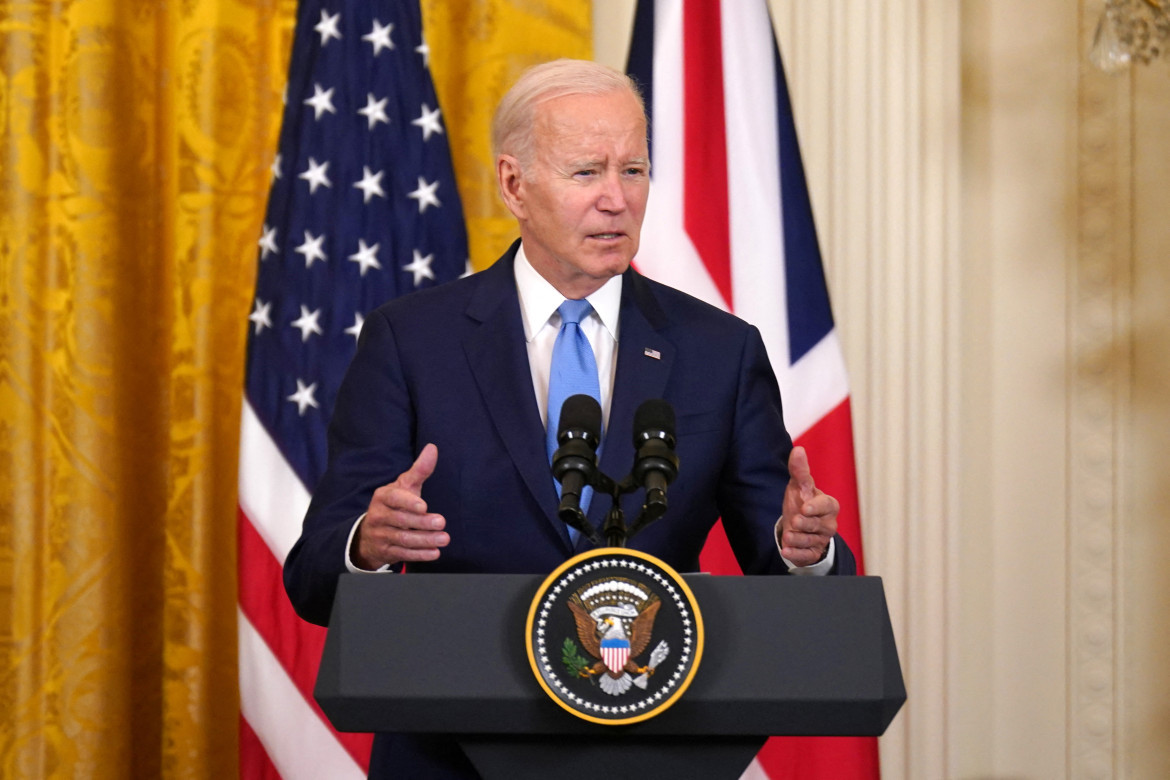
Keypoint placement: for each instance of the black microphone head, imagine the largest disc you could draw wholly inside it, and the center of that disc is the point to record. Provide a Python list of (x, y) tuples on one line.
[(581, 413), (654, 420)]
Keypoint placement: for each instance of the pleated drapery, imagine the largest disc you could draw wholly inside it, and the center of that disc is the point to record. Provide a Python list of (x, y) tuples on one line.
[(138, 139)]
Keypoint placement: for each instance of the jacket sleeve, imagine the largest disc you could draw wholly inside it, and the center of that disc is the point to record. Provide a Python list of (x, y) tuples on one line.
[(371, 442)]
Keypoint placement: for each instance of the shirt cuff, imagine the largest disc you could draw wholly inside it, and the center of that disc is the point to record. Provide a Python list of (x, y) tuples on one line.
[(818, 569), (353, 567)]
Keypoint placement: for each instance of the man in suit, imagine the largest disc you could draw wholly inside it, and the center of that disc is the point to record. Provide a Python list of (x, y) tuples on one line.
[(438, 456)]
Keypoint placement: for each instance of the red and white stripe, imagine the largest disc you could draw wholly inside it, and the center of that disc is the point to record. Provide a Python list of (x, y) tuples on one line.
[(615, 657), (712, 225), (713, 229), (283, 732), (730, 205)]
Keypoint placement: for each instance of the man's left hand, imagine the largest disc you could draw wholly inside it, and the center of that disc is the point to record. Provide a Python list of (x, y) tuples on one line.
[(809, 520)]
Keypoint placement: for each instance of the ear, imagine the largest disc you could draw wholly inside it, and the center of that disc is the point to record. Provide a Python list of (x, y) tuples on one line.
[(511, 183)]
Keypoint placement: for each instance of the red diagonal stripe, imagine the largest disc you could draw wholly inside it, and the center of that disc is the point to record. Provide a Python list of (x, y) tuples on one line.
[(295, 643), (705, 200), (716, 556)]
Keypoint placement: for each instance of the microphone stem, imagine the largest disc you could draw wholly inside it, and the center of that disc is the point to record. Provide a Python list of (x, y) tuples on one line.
[(615, 527)]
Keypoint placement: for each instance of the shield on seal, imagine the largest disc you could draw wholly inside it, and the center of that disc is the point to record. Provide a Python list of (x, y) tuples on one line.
[(615, 651)]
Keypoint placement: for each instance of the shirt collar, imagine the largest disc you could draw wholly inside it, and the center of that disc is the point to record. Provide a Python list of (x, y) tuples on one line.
[(539, 299)]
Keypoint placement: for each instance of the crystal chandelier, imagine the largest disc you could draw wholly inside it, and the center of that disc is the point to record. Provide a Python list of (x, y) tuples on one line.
[(1130, 31)]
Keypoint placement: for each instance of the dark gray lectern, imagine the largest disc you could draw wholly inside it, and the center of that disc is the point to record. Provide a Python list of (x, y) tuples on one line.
[(445, 653)]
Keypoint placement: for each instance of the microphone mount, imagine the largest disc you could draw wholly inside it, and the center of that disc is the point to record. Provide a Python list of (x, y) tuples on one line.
[(655, 466)]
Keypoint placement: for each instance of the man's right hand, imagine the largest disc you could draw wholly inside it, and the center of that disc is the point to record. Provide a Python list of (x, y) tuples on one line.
[(397, 526)]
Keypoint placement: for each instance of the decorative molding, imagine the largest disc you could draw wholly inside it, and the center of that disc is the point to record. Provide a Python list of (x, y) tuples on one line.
[(1099, 307)]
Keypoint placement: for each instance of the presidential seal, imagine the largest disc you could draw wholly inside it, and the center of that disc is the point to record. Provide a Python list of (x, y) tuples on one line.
[(614, 636)]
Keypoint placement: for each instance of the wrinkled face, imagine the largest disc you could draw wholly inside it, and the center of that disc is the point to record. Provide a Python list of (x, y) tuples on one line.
[(580, 200)]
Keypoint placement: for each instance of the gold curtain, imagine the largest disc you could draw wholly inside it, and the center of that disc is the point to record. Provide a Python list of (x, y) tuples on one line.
[(479, 47), (137, 139)]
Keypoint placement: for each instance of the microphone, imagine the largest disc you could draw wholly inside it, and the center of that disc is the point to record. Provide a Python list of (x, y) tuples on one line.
[(655, 465), (574, 464)]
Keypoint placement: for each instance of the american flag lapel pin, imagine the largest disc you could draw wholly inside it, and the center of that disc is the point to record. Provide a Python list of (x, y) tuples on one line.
[(652, 353)]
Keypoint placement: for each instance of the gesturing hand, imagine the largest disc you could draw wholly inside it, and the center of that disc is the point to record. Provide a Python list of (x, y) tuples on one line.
[(397, 526), (809, 518)]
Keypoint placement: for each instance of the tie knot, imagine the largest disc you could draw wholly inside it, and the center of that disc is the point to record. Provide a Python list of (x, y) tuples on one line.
[(574, 311)]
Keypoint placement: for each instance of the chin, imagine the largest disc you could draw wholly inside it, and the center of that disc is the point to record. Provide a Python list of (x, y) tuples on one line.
[(614, 267), (615, 261)]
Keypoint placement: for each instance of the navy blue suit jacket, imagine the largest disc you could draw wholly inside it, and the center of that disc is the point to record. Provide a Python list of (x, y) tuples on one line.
[(449, 365)]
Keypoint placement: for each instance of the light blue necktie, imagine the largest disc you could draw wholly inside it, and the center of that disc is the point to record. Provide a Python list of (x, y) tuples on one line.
[(574, 370)]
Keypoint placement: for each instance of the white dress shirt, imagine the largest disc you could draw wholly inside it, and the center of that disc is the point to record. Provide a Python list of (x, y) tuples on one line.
[(539, 301)]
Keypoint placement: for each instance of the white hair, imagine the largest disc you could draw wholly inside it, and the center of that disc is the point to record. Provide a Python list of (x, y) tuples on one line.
[(516, 113)]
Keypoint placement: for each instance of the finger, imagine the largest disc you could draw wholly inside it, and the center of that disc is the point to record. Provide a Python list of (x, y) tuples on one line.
[(799, 540), (802, 524), (818, 516), (799, 472), (424, 465), (407, 555), (386, 543), (376, 554), (803, 556), (413, 540), (823, 526), (387, 521), (392, 498), (821, 505)]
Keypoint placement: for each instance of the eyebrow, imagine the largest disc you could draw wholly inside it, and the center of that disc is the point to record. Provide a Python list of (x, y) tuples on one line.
[(597, 163)]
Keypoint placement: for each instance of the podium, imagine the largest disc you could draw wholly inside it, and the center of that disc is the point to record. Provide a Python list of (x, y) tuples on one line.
[(445, 653)]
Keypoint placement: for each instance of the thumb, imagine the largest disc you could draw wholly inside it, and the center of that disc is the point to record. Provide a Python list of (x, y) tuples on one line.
[(800, 473), (424, 465)]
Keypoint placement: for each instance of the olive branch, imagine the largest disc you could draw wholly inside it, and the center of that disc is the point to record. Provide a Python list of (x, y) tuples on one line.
[(572, 658)]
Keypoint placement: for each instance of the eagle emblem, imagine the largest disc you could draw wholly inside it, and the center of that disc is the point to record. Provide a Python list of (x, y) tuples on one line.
[(616, 632), (614, 636)]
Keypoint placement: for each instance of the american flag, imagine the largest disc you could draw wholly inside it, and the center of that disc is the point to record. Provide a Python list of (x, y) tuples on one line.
[(363, 207), (729, 220)]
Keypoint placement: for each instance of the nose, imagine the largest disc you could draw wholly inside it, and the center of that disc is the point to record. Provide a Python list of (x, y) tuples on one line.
[(612, 197)]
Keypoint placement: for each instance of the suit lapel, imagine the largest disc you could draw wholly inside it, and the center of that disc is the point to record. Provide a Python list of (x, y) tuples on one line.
[(644, 360), (498, 358)]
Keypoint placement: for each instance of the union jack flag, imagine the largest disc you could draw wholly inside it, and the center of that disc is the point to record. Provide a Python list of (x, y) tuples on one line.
[(363, 207), (729, 220)]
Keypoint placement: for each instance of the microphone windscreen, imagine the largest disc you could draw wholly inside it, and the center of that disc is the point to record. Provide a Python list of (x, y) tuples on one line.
[(581, 412), (653, 415)]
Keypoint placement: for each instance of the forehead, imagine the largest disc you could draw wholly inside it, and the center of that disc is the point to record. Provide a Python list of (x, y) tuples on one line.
[(612, 122)]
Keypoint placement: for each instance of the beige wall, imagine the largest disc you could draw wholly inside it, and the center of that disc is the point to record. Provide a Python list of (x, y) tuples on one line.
[(995, 218)]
